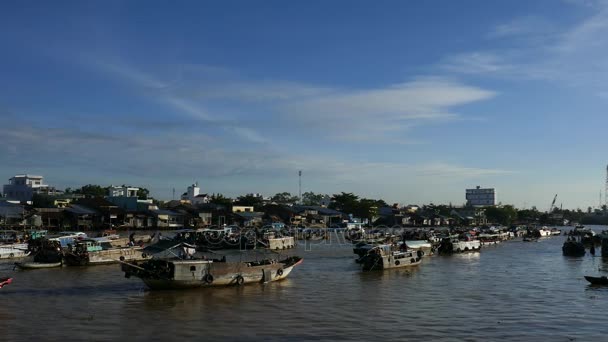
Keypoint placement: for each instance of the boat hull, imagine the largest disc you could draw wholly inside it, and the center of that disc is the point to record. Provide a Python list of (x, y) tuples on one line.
[(104, 257), (37, 265), (5, 281), (597, 280), (196, 274)]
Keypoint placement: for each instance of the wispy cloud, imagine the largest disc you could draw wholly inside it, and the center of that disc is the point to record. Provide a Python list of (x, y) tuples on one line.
[(164, 92), (526, 27), (541, 50)]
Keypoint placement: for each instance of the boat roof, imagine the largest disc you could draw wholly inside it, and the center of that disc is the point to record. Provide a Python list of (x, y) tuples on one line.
[(163, 245)]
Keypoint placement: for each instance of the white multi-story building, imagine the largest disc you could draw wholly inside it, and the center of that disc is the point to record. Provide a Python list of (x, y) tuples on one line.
[(122, 191), (23, 187), (481, 196), (193, 194)]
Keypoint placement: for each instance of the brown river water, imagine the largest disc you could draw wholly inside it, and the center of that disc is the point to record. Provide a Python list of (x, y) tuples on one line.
[(514, 291)]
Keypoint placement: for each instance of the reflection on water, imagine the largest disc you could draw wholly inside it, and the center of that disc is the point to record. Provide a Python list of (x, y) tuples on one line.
[(512, 291)]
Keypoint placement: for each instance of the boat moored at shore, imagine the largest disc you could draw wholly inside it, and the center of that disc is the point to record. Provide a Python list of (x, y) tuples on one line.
[(91, 252)]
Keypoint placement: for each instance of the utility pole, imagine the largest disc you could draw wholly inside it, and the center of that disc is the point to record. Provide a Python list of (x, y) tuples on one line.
[(300, 186)]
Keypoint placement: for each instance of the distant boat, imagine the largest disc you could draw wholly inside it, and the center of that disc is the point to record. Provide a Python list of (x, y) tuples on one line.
[(383, 257), (603, 280), (573, 248), (544, 231), (90, 252)]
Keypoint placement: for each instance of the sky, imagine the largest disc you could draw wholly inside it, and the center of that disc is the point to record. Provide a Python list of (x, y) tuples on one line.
[(409, 101)]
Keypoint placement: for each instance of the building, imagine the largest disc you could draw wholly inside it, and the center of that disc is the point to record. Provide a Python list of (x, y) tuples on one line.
[(125, 197), (23, 187), (194, 196), (122, 191), (481, 197)]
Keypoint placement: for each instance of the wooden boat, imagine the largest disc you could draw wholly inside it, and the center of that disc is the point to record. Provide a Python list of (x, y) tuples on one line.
[(179, 273), (91, 252), (5, 281), (573, 248), (30, 265), (603, 280), (384, 257), (456, 245)]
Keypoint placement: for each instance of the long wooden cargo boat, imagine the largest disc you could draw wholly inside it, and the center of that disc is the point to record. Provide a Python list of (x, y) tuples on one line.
[(161, 274)]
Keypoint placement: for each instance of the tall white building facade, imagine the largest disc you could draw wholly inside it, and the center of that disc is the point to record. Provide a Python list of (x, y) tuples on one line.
[(23, 187), (193, 194), (481, 196)]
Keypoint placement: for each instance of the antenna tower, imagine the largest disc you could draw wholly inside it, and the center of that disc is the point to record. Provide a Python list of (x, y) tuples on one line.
[(606, 188), (300, 185)]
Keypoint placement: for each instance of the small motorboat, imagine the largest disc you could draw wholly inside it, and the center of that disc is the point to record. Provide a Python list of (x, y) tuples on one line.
[(603, 280), (5, 281), (35, 265), (530, 239)]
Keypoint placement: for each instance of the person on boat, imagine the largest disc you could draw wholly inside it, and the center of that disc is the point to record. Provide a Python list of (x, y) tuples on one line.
[(132, 239)]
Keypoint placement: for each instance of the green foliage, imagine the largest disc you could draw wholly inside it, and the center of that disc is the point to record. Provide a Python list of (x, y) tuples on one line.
[(505, 215), (345, 202), (92, 190), (221, 200), (310, 198), (42, 201), (363, 208), (284, 198), (249, 200), (143, 193)]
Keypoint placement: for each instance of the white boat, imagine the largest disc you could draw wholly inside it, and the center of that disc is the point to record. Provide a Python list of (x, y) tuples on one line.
[(544, 231), (384, 257), (555, 231), (68, 238), (456, 245), (35, 265), (420, 245), (14, 250)]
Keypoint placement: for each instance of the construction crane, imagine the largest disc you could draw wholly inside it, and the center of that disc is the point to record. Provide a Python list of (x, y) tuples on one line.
[(552, 204)]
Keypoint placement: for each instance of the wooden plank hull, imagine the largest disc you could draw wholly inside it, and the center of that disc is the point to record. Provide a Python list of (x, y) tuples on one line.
[(597, 280), (37, 265), (109, 256), (198, 273)]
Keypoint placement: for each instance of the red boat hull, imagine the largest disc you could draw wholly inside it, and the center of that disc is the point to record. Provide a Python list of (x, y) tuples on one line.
[(5, 281)]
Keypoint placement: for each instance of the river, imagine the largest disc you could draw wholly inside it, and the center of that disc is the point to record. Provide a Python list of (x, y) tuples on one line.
[(514, 291)]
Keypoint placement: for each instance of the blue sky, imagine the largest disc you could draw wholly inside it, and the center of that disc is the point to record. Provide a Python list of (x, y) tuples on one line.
[(408, 101)]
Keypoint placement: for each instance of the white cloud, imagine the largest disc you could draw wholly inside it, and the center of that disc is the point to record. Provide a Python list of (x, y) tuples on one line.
[(539, 50), (526, 27)]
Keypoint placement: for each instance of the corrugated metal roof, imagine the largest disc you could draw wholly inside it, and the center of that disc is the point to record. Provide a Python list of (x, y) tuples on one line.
[(80, 210)]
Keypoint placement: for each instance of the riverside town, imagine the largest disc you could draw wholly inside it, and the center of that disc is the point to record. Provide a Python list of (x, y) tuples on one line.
[(303, 171)]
